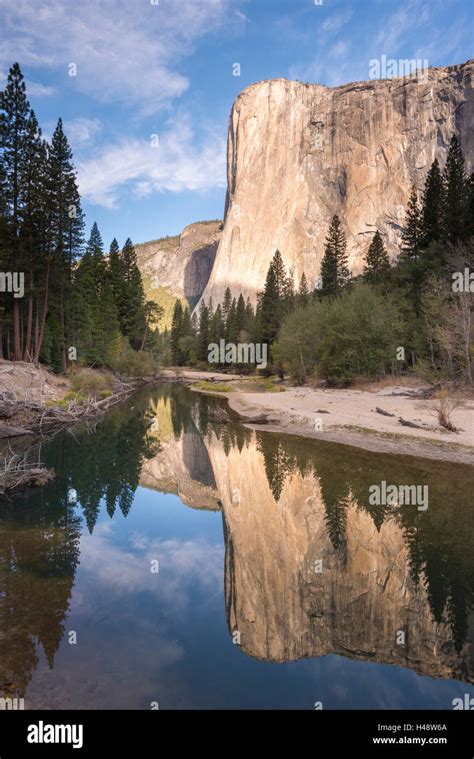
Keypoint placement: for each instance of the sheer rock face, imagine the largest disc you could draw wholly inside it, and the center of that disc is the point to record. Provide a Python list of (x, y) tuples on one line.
[(285, 609), (181, 265), (300, 153)]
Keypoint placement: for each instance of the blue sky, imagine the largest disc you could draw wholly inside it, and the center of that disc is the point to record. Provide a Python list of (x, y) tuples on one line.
[(146, 68)]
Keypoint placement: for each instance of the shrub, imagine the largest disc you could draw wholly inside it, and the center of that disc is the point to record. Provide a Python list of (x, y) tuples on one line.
[(88, 382), (341, 338)]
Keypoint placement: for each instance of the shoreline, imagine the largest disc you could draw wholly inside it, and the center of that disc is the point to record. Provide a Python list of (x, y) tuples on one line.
[(349, 418)]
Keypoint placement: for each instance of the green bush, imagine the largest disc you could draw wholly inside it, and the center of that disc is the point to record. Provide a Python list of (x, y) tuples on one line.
[(131, 363), (339, 339), (88, 382)]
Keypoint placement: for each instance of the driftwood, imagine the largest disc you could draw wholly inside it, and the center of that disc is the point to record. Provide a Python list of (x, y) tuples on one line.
[(26, 476), (44, 419), (8, 430), (383, 412), (407, 423), (259, 419)]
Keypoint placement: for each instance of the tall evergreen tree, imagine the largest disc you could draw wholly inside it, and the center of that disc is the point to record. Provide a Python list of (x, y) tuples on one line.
[(66, 224), (335, 273), (14, 113), (203, 333), (412, 231), (270, 307), (377, 263), (303, 292), (176, 327), (226, 304), (455, 193), (432, 206)]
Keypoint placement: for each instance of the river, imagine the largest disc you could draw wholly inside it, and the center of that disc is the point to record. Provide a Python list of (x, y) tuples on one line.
[(176, 563)]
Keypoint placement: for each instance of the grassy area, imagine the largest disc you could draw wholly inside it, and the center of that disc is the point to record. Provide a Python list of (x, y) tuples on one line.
[(165, 298), (214, 387)]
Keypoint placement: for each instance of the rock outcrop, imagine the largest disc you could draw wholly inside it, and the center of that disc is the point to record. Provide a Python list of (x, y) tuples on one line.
[(300, 153), (179, 267)]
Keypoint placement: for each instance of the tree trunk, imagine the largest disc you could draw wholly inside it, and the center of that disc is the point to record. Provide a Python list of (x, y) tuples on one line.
[(62, 323), (16, 330), (43, 315), (29, 323)]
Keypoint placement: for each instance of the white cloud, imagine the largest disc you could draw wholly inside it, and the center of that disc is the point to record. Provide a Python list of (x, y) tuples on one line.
[(82, 130), (337, 21), (37, 90), (177, 164), (122, 53)]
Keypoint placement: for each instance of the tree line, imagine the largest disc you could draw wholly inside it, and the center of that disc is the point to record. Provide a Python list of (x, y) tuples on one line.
[(77, 303)]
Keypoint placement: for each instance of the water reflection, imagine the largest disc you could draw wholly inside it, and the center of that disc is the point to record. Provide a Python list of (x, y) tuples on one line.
[(311, 568)]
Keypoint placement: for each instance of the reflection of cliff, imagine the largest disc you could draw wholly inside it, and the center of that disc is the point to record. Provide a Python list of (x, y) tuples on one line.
[(284, 608), (182, 464)]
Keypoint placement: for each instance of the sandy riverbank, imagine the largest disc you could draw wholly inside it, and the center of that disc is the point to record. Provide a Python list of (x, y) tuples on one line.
[(351, 419)]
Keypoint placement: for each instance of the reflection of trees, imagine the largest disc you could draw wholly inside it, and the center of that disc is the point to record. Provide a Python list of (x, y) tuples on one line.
[(439, 541), (39, 552)]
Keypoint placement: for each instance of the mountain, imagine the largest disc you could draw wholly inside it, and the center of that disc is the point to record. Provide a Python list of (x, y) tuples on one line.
[(300, 153), (179, 267)]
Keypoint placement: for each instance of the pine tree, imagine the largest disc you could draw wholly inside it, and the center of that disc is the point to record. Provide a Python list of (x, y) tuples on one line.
[(176, 326), (203, 340), (270, 308), (432, 206), (455, 193), (231, 327), (226, 304), (334, 267), (117, 276), (288, 294), (131, 305), (280, 274), (412, 231), (303, 292), (14, 113), (216, 327), (377, 263), (240, 316), (66, 225)]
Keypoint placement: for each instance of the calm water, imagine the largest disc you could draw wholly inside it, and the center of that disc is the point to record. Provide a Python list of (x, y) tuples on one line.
[(278, 585)]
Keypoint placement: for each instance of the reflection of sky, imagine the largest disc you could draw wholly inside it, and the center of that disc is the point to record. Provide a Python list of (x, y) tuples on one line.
[(163, 637)]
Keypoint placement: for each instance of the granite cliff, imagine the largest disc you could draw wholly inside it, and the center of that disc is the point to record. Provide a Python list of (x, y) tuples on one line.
[(179, 267), (299, 153)]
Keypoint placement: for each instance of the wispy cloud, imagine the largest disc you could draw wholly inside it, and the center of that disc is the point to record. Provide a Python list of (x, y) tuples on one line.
[(82, 130), (336, 21), (119, 55), (176, 164), (37, 90)]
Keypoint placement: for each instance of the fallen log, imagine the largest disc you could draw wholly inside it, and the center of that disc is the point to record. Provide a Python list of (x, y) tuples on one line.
[(8, 430), (259, 419), (407, 423), (383, 412)]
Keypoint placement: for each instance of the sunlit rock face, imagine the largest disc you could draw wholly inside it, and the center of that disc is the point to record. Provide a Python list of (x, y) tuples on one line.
[(300, 153), (284, 608)]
